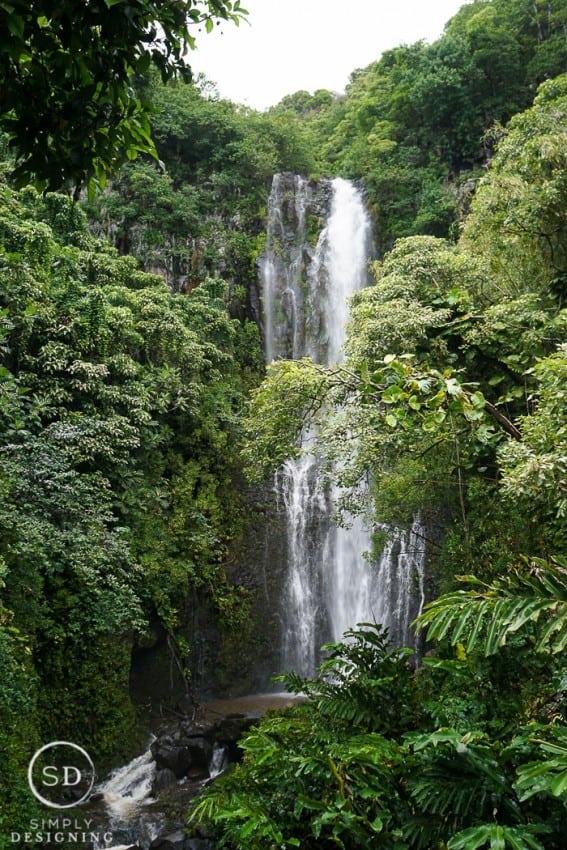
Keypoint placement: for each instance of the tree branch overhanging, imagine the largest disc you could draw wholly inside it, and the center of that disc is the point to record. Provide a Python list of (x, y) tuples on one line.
[(345, 377)]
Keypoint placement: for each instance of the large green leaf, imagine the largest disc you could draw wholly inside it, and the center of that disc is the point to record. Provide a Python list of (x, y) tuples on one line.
[(495, 837), (533, 593)]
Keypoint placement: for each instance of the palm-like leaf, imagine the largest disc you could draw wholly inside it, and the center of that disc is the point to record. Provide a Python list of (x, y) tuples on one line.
[(364, 682), (457, 780), (549, 774), (484, 616), (495, 837)]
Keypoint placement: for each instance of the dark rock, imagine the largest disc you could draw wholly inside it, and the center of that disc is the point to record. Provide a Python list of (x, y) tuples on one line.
[(201, 831), (163, 779), (183, 755), (169, 755), (173, 841), (198, 844), (200, 752), (232, 727), (197, 729), (229, 730)]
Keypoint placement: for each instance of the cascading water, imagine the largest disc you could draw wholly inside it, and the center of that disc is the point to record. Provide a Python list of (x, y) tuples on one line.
[(126, 795), (132, 813), (330, 583)]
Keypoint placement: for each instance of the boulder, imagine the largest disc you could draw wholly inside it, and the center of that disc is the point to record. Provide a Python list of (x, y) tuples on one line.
[(200, 752), (197, 728), (198, 844), (173, 841), (163, 779), (183, 755), (170, 755), (229, 730)]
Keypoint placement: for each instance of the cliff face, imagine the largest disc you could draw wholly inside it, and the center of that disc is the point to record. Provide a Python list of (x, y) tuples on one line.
[(306, 579), (239, 661), (297, 212)]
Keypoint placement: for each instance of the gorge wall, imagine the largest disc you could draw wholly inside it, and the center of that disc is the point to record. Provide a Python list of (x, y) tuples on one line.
[(307, 578)]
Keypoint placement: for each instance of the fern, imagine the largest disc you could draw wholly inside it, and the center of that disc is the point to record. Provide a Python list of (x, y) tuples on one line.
[(495, 837), (485, 616), (548, 775), (364, 683)]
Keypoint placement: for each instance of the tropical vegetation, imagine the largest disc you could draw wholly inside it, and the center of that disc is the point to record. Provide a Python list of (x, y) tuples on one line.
[(451, 401), (133, 400)]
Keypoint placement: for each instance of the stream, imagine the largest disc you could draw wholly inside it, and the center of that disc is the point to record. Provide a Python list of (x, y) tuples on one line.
[(144, 804)]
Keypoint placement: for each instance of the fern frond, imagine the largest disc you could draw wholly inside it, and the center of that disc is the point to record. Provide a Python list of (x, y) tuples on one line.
[(550, 774), (534, 593), (496, 837)]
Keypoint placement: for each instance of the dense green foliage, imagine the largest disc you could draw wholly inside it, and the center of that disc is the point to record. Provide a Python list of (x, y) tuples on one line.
[(122, 395), (119, 407), (67, 98), (205, 213), (420, 121), (445, 354), (451, 401), (418, 127), (449, 756)]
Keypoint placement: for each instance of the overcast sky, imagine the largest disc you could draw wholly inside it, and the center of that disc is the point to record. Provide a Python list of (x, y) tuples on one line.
[(310, 44)]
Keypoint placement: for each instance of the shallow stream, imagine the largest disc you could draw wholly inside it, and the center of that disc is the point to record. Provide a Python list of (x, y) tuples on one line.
[(126, 810)]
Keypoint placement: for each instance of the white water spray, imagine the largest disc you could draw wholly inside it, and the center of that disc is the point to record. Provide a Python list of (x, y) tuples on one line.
[(129, 788)]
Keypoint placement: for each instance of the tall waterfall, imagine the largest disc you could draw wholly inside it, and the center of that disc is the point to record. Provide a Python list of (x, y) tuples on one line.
[(330, 583)]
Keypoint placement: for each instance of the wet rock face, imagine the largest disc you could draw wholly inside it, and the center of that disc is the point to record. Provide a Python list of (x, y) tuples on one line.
[(297, 212), (174, 841), (177, 841), (188, 751), (183, 757), (228, 732), (170, 756), (163, 779), (231, 662)]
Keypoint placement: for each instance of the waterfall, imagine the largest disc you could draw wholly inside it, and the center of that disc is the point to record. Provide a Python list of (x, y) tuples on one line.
[(126, 797), (306, 282), (129, 788)]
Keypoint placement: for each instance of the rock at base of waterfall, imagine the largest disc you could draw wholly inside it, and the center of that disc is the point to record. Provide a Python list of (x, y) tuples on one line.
[(189, 756), (163, 779), (228, 732), (170, 756), (177, 841), (174, 841), (200, 752)]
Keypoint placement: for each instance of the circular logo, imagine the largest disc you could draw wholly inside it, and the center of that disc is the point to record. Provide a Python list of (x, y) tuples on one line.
[(61, 775)]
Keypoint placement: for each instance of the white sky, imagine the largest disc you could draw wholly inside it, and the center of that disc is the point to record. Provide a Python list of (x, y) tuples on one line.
[(310, 44)]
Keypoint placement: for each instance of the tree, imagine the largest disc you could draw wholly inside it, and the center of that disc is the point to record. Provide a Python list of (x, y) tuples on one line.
[(118, 411), (518, 220), (535, 472), (68, 97)]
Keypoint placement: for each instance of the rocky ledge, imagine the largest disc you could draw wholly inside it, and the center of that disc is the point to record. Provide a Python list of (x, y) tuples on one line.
[(188, 751)]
